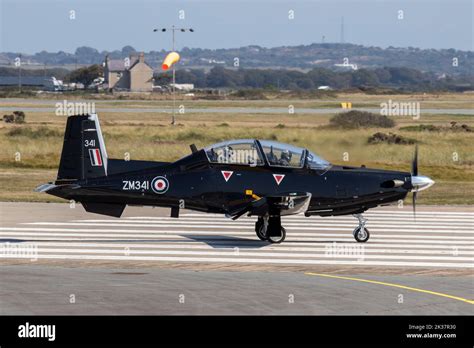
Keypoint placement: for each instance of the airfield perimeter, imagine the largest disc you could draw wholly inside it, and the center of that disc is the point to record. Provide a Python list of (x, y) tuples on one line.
[(149, 263)]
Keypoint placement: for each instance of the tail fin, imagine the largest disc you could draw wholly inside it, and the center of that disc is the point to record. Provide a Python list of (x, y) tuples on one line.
[(84, 155)]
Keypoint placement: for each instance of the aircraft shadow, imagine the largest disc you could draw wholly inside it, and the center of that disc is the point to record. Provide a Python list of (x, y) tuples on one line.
[(12, 240), (221, 242), (218, 243), (227, 242)]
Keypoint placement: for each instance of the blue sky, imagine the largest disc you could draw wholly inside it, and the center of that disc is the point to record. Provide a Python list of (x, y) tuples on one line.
[(33, 25)]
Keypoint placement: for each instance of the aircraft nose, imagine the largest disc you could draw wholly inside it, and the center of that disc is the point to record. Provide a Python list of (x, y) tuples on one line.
[(420, 183)]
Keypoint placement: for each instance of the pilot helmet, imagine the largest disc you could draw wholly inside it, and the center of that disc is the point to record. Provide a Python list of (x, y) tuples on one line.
[(286, 154)]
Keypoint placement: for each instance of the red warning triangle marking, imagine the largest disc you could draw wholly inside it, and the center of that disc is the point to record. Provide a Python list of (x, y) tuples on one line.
[(279, 178), (226, 174)]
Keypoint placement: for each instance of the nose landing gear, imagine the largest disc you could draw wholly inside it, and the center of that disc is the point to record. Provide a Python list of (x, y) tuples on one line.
[(269, 228), (361, 233)]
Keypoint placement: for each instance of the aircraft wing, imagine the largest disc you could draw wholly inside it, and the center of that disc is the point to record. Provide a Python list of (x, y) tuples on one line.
[(283, 204)]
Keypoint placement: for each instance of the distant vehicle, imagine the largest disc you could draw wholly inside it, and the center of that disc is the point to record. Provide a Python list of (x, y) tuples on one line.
[(97, 83), (158, 88), (325, 88), (259, 178), (74, 86), (186, 87), (53, 84)]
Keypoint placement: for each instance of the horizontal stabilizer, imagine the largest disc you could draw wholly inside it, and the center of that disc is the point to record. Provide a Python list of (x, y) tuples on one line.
[(49, 187)]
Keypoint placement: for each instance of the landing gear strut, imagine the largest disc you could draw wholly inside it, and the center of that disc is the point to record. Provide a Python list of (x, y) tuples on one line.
[(269, 228), (361, 233)]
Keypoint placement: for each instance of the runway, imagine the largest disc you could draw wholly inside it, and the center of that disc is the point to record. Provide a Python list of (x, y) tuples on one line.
[(429, 260), (435, 239)]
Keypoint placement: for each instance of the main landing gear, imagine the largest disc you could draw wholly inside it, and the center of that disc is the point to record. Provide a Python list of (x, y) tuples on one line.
[(361, 233), (269, 228)]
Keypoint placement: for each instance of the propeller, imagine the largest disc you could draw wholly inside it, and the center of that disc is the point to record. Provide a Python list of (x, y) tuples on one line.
[(418, 182), (414, 163), (414, 172)]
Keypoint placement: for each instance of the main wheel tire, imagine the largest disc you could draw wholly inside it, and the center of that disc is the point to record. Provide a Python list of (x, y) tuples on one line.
[(361, 236), (259, 230), (278, 239)]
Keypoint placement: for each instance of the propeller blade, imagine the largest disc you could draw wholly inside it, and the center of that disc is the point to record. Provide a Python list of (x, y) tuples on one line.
[(414, 205), (414, 164)]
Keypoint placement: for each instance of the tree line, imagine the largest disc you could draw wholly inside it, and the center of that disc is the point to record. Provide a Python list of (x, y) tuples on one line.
[(401, 78), (389, 77), (323, 55)]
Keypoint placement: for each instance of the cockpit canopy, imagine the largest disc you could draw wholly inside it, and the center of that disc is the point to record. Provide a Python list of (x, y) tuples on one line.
[(260, 152)]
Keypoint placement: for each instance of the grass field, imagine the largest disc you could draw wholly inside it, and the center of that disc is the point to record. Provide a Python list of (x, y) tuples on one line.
[(30, 152)]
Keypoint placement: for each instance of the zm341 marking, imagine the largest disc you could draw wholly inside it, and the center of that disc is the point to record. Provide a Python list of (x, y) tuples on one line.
[(135, 185)]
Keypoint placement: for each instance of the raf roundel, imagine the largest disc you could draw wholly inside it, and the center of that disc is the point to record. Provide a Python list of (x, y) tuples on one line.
[(160, 185)]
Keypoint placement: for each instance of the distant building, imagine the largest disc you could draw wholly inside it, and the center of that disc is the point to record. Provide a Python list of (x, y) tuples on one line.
[(132, 74), (47, 84)]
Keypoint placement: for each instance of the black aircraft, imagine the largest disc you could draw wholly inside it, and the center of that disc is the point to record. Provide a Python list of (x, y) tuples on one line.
[(258, 178)]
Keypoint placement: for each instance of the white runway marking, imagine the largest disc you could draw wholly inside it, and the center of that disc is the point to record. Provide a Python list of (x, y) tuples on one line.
[(435, 239), (235, 225), (461, 228), (157, 233), (288, 246)]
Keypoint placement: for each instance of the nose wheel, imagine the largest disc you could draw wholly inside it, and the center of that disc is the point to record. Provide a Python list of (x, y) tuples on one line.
[(270, 229), (361, 233)]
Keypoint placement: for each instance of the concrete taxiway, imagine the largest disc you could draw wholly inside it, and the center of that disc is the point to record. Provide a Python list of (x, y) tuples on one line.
[(58, 259)]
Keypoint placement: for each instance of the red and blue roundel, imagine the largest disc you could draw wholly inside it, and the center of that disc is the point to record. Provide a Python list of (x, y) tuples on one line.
[(160, 185)]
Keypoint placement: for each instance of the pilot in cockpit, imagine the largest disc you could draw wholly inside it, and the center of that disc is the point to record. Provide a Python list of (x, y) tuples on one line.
[(272, 159), (285, 158)]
